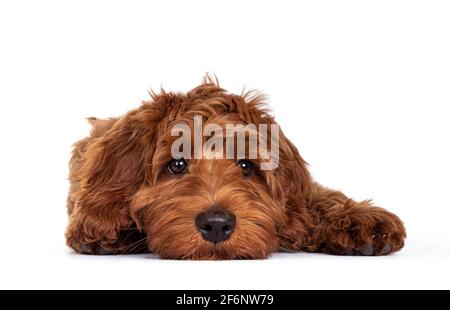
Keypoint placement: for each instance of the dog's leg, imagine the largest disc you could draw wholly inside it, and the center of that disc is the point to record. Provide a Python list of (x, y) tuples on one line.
[(346, 227)]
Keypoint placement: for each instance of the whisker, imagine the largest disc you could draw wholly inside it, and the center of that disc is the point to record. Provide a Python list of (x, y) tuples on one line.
[(131, 247)]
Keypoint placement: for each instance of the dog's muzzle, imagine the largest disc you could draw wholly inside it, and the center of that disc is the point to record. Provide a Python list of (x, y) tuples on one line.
[(215, 225)]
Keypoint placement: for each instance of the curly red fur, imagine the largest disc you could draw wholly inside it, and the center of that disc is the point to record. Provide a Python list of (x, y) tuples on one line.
[(121, 200)]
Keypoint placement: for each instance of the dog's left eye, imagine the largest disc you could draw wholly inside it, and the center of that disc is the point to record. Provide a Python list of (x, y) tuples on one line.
[(177, 166), (247, 167)]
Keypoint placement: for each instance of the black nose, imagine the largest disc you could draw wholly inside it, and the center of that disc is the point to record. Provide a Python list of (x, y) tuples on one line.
[(215, 225)]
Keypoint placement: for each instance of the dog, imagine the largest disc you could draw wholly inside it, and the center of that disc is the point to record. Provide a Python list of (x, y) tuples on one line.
[(129, 194)]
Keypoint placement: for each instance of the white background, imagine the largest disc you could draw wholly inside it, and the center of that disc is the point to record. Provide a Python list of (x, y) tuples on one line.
[(361, 87)]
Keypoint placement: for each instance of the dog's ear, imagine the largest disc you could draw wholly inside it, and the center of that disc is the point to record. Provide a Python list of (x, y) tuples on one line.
[(111, 169), (293, 177), (292, 171)]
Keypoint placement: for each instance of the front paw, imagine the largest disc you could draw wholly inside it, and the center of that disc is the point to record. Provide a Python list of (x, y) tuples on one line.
[(362, 230), (130, 241), (86, 235)]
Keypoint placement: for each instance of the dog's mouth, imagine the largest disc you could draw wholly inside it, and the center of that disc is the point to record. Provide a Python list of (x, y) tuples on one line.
[(208, 244), (218, 251), (233, 224)]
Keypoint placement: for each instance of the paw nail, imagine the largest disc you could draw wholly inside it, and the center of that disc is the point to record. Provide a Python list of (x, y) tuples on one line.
[(386, 249), (374, 236), (85, 248), (384, 236), (367, 251), (103, 251), (76, 247), (349, 252)]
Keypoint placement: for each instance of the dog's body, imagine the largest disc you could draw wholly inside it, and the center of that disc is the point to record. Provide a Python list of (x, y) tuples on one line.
[(128, 194)]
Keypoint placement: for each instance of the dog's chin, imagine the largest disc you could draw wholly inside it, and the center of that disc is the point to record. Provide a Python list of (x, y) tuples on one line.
[(216, 252), (236, 248)]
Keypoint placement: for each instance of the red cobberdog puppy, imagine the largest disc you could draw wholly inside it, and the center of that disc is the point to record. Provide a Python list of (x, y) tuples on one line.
[(129, 194)]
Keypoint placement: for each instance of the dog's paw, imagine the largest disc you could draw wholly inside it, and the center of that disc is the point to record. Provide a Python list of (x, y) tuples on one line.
[(363, 231), (130, 241)]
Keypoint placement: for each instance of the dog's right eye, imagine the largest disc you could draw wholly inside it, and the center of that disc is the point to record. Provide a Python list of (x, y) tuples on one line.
[(177, 166), (246, 166)]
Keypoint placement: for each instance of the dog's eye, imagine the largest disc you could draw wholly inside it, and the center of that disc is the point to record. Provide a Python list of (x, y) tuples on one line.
[(247, 167), (177, 166)]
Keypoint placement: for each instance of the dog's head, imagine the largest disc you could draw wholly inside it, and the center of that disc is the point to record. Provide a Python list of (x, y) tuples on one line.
[(208, 205)]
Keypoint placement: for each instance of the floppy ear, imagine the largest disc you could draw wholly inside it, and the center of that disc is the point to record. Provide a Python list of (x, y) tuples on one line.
[(295, 180), (109, 170)]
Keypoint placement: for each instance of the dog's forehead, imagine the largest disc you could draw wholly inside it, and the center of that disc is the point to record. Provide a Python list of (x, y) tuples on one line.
[(198, 122), (211, 101)]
